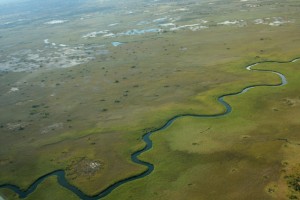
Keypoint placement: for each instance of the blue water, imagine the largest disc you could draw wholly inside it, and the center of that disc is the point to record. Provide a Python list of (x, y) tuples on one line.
[(115, 44)]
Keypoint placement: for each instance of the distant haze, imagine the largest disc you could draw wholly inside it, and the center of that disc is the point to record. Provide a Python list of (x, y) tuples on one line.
[(11, 1), (40, 7)]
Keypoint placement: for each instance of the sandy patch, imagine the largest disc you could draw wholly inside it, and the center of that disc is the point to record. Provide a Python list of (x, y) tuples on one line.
[(55, 22), (126, 33), (115, 24), (275, 21), (249, 67), (259, 21), (181, 10), (140, 32), (229, 22), (84, 167), (52, 128), (160, 20), (51, 57), (167, 24), (95, 34), (252, 5), (109, 35), (278, 22), (14, 89), (192, 27), (239, 23)]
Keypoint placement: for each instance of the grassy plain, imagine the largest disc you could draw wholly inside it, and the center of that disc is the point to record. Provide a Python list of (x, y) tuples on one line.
[(96, 112), (249, 154), (47, 190)]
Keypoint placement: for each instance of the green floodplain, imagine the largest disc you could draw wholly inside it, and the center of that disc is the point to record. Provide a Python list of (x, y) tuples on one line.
[(81, 84)]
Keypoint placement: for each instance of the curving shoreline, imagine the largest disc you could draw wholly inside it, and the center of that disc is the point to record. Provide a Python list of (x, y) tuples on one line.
[(146, 138)]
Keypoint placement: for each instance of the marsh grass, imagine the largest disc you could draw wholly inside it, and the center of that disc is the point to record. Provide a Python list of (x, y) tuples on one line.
[(84, 112), (239, 156)]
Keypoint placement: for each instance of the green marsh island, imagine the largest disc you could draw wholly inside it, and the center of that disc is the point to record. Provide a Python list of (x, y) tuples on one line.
[(149, 99)]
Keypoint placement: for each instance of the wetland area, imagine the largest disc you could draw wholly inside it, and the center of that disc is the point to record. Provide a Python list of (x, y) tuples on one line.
[(150, 99)]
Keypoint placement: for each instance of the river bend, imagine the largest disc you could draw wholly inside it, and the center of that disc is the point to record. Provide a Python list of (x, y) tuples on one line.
[(60, 174)]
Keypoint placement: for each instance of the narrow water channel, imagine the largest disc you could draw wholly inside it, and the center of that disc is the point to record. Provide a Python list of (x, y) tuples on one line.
[(61, 177)]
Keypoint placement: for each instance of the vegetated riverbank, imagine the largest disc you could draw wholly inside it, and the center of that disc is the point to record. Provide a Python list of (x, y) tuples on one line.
[(146, 138), (94, 113), (249, 154)]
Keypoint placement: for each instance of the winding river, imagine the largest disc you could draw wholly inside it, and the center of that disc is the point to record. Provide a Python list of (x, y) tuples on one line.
[(61, 177)]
